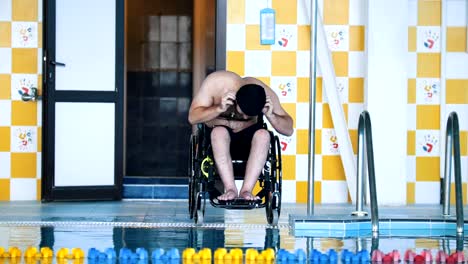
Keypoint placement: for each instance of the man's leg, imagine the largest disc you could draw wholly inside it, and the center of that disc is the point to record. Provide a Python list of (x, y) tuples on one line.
[(255, 163), (220, 142)]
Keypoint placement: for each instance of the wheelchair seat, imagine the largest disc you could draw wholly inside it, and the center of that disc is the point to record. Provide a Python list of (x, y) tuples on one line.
[(203, 179)]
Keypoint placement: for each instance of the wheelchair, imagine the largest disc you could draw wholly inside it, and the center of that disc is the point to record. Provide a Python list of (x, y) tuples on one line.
[(203, 178)]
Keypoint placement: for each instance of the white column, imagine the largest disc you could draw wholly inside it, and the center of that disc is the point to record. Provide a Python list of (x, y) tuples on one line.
[(386, 95)]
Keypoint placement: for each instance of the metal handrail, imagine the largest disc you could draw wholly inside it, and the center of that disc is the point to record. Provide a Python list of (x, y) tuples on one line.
[(366, 150), (452, 140)]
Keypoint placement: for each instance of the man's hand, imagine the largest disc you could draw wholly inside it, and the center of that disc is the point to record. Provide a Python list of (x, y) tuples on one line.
[(268, 108), (227, 100)]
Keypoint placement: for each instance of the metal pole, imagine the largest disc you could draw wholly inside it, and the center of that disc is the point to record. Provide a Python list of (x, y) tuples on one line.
[(312, 100), (448, 170)]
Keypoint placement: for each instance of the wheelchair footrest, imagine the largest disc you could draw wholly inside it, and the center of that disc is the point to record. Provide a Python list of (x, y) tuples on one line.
[(238, 203)]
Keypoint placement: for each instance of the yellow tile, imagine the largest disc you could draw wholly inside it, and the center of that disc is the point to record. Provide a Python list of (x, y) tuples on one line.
[(283, 63), (327, 121), (453, 196), (319, 93), (302, 188), (318, 141), (252, 38), (410, 142), (340, 62), (39, 139), (286, 11), (428, 65), (336, 12), (39, 35), (24, 10), (428, 13), (303, 90), (456, 39), (463, 142), (5, 34), (5, 187), (356, 90), (38, 189), (290, 108), (427, 117), (24, 60), (5, 139), (345, 111), (354, 139), (5, 86), (410, 194), (456, 91), (23, 165), (23, 113), (39, 84), (412, 36), (236, 12), (265, 80), (302, 141), (357, 38), (303, 37), (332, 168), (428, 169), (235, 62), (411, 91), (289, 167)]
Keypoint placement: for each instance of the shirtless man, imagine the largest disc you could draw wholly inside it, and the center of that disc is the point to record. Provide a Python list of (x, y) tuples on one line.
[(233, 107)]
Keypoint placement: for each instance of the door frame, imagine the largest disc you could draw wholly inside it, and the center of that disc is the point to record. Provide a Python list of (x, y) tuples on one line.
[(50, 192)]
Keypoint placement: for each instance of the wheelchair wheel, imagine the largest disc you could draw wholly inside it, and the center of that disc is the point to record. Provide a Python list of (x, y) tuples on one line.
[(192, 175), (273, 196), (200, 204)]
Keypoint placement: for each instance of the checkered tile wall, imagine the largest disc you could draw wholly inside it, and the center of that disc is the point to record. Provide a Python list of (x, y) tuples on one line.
[(285, 67), (20, 122)]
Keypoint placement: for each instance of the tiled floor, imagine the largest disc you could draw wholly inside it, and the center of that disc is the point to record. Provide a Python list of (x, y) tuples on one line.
[(166, 224)]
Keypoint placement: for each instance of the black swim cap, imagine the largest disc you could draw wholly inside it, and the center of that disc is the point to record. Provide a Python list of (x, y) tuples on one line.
[(251, 99)]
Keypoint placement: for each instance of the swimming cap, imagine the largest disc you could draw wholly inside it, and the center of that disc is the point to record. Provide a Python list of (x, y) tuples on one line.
[(251, 99)]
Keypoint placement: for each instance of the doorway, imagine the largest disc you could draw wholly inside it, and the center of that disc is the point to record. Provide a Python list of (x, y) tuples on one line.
[(159, 83)]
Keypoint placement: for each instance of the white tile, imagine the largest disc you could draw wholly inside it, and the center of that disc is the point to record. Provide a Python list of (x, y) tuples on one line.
[(288, 144), (285, 38), (5, 165), (39, 10), (428, 91), (23, 138), (357, 12), (428, 39), (289, 191), (357, 64), (285, 87), (318, 116), (302, 167), (257, 63), (412, 13), (5, 10), (252, 11), (39, 113), (412, 64), (456, 13), (342, 84), (303, 63), (23, 189), (337, 37), (411, 117), (334, 192), (235, 37), (39, 165), (456, 66), (5, 113), (427, 192), (427, 143), (462, 113), (302, 115), (354, 111), (22, 84), (410, 168), (318, 168), (39, 61), (464, 168), (303, 12), (330, 142), (24, 35), (5, 58)]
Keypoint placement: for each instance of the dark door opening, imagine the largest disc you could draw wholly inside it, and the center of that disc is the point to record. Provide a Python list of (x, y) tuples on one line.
[(159, 41)]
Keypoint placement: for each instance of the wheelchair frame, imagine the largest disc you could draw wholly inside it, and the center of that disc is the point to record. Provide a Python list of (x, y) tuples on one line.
[(203, 176)]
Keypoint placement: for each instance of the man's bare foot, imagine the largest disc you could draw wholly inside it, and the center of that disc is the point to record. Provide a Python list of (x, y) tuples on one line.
[(228, 195), (248, 196)]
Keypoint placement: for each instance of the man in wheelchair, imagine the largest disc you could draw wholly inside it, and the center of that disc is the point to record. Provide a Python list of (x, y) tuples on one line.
[(233, 108)]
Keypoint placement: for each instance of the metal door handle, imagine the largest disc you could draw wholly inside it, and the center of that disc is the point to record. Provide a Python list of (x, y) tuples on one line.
[(34, 96), (56, 63)]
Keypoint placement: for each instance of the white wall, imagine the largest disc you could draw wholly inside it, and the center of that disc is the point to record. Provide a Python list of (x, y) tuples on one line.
[(386, 94)]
